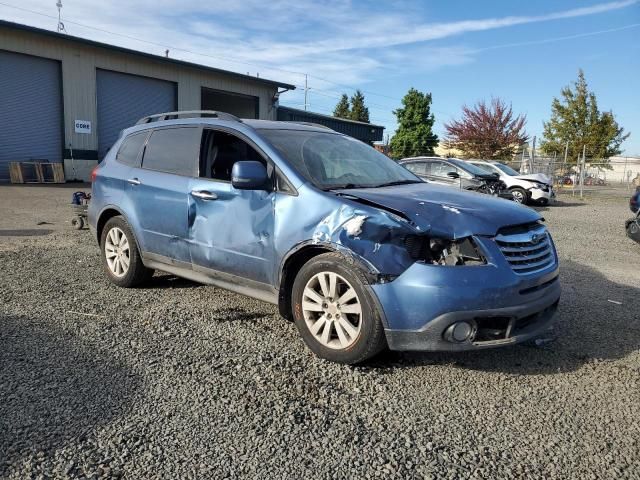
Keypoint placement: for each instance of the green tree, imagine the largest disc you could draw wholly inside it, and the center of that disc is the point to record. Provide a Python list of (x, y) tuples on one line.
[(414, 135), (576, 120), (342, 109), (359, 111)]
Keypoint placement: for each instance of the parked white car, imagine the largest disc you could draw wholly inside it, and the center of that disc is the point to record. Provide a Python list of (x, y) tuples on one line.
[(531, 188)]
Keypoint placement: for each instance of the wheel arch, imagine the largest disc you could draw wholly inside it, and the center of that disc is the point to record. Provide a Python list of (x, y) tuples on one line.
[(108, 213), (301, 254), (104, 216)]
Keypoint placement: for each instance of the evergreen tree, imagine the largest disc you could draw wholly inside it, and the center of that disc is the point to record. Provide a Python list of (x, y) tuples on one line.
[(576, 119), (414, 135), (342, 109), (359, 111)]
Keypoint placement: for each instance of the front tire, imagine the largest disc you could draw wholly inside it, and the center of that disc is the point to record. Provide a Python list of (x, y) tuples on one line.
[(519, 195), (334, 312), (121, 258)]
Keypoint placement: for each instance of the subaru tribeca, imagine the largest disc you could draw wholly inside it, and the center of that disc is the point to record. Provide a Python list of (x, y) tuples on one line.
[(355, 249)]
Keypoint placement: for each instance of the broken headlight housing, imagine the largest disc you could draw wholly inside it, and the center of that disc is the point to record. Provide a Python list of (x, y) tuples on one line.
[(439, 251)]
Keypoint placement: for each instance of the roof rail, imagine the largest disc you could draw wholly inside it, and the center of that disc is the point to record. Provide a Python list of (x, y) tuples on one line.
[(158, 117), (310, 124)]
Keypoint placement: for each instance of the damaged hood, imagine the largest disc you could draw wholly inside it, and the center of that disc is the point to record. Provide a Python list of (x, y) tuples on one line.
[(445, 211), (535, 177)]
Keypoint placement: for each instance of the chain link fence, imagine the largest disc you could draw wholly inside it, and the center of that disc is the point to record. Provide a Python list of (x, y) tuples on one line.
[(589, 176)]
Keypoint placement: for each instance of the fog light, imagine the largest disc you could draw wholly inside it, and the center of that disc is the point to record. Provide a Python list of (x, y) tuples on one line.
[(459, 332)]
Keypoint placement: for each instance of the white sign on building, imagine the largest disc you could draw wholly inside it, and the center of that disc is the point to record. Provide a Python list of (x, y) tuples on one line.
[(83, 126)]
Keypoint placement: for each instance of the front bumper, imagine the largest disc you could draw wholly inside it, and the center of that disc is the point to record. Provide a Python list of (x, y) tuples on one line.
[(508, 326), (504, 307), (537, 194)]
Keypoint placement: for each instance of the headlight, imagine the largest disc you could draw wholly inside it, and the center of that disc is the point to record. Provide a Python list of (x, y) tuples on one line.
[(439, 251)]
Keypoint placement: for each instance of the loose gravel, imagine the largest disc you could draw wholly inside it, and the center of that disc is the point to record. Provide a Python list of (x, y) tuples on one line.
[(179, 380)]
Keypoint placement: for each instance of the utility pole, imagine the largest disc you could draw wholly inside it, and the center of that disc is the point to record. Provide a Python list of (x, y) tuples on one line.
[(60, 24), (306, 89)]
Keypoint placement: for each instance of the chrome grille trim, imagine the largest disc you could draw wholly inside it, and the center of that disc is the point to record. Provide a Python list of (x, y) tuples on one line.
[(527, 252)]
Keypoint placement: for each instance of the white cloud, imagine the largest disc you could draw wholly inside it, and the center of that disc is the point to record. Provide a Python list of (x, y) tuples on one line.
[(334, 39)]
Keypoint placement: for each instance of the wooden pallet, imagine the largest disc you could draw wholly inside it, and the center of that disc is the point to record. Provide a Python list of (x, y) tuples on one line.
[(36, 172)]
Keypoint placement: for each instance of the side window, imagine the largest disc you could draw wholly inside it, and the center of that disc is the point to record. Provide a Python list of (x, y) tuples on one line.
[(440, 169), (220, 150), (419, 168), (130, 149), (173, 150)]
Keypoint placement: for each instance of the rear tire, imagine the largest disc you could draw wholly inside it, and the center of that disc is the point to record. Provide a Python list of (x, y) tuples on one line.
[(120, 256), (334, 312), (519, 195)]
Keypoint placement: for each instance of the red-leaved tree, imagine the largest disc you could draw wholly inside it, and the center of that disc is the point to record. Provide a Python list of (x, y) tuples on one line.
[(489, 131)]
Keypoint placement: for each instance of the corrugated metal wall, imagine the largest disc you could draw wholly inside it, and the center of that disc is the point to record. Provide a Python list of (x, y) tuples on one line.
[(124, 99), (30, 110)]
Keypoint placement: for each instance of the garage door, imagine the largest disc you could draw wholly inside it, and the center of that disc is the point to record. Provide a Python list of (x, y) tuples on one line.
[(243, 106), (31, 110), (123, 99)]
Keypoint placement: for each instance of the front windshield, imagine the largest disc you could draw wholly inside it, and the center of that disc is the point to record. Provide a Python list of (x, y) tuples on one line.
[(331, 161), (485, 167), (507, 169), (472, 169)]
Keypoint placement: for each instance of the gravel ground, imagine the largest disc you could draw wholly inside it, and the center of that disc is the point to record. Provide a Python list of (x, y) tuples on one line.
[(178, 380)]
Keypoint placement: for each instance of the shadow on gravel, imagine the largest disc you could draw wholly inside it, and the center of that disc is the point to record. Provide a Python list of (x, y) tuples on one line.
[(588, 327), (556, 204), (169, 281), (53, 390)]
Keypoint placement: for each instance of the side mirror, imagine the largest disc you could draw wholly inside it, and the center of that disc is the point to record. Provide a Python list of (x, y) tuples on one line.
[(249, 175), (453, 175)]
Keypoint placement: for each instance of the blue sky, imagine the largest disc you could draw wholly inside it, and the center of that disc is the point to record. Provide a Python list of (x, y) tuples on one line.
[(460, 51)]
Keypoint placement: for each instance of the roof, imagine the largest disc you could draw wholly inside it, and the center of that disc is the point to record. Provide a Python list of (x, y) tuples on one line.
[(238, 123), (157, 58), (329, 117)]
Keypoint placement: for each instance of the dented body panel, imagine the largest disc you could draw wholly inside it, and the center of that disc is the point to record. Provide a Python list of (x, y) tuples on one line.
[(244, 239)]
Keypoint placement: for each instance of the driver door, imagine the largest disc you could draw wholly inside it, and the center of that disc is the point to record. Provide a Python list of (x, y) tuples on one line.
[(230, 230)]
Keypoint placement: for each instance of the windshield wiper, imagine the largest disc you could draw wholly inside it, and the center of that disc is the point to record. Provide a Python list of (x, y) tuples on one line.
[(397, 182), (342, 187)]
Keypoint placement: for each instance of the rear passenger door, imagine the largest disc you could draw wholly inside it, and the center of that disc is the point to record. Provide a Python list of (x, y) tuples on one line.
[(159, 193)]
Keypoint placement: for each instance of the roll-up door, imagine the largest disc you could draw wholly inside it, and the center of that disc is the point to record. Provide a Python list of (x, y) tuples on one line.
[(30, 110), (123, 99)]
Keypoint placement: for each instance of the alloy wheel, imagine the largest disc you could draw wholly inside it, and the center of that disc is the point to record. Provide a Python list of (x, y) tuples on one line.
[(117, 252), (332, 310), (518, 197)]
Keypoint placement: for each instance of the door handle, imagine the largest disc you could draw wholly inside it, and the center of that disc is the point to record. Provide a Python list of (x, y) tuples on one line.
[(204, 195), (134, 181)]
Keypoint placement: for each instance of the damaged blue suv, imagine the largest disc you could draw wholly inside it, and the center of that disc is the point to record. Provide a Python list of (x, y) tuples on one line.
[(354, 248)]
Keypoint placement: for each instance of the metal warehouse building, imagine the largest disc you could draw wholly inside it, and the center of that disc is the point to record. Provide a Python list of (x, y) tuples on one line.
[(64, 98), (366, 132)]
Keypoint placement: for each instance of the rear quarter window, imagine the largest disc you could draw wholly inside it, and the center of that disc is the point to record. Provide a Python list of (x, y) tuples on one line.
[(129, 152), (173, 150)]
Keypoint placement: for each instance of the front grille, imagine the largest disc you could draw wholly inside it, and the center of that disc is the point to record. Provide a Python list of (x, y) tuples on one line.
[(526, 249)]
